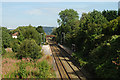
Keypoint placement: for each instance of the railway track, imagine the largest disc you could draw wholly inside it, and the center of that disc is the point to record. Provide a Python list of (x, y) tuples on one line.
[(67, 70), (76, 63), (60, 66)]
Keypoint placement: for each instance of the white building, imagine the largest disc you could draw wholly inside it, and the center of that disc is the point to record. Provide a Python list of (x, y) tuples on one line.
[(15, 35)]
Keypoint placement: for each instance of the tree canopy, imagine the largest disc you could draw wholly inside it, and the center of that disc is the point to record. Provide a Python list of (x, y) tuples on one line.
[(40, 29), (67, 16), (69, 24), (6, 37), (27, 43), (28, 32), (29, 48), (110, 14), (96, 37)]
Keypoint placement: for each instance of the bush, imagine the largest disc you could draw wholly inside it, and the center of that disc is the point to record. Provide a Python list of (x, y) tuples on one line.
[(44, 69), (38, 70), (3, 51), (22, 71), (29, 48), (15, 44)]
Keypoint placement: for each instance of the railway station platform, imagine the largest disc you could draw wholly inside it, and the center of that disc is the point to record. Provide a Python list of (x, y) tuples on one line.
[(66, 49), (46, 49)]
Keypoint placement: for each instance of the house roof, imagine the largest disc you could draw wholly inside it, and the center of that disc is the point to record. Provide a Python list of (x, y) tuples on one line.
[(15, 34), (50, 36)]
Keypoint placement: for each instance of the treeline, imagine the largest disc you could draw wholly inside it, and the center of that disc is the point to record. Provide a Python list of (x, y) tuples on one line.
[(27, 43), (96, 36)]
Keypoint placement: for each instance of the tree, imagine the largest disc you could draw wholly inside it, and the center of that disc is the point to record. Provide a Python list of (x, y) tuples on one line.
[(54, 31), (112, 28), (92, 17), (28, 32), (40, 29), (97, 40), (31, 33), (68, 15), (119, 12), (110, 14), (118, 27), (68, 24), (6, 37), (29, 48), (97, 43)]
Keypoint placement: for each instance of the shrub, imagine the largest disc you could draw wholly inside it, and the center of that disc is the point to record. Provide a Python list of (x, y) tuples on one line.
[(3, 51), (22, 71), (15, 44), (44, 69), (29, 48)]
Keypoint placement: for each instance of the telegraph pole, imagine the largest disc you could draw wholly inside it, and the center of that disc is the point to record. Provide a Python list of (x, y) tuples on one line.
[(41, 38)]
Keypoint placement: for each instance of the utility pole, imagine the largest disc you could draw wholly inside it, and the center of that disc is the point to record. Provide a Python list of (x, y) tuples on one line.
[(61, 38), (41, 38), (63, 35)]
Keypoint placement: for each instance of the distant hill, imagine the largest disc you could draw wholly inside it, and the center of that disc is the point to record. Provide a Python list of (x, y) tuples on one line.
[(48, 30), (10, 29)]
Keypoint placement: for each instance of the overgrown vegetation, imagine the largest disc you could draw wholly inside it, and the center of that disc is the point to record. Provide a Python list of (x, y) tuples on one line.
[(96, 37), (40, 70), (23, 61), (26, 68)]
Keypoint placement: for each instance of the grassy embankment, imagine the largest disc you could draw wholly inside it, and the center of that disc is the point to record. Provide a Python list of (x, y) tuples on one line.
[(26, 68)]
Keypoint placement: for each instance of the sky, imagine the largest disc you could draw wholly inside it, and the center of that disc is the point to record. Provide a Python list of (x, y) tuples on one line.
[(16, 14), (59, 0)]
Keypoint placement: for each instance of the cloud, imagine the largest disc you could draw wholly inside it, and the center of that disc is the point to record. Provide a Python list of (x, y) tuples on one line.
[(44, 11), (57, 10), (53, 11), (34, 12)]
